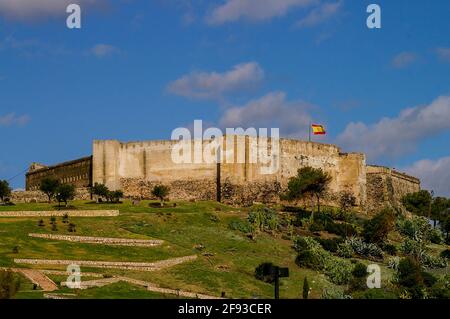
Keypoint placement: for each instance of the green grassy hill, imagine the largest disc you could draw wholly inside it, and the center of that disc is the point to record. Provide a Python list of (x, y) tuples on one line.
[(226, 258)]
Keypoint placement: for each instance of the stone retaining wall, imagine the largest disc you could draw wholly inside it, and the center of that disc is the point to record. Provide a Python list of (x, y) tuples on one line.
[(141, 266), (60, 213), (101, 240), (36, 196)]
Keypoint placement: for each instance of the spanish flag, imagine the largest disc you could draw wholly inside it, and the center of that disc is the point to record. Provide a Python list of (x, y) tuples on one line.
[(318, 129)]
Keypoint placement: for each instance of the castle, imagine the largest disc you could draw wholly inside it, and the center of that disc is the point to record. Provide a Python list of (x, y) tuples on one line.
[(135, 167)]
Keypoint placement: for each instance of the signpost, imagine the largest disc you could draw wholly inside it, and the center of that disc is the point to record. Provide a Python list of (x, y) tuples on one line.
[(277, 273)]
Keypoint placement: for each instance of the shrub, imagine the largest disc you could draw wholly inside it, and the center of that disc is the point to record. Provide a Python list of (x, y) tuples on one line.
[(377, 229), (338, 270), (54, 227), (376, 294), (390, 249), (445, 254), (416, 228), (341, 229), (263, 219), (15, 250), (305, 291), (312, 255), (240, 225), (363, 249), (41, 223), (441, 289), (428, 279), (409, 275), (263, 272), (161, 192), (65, 219), (435, 236), (9, 284), (345, 250), (358, 280), (418, 251), (333, 293), (393, 262), (330, 245), (72, 228), (359, 271)]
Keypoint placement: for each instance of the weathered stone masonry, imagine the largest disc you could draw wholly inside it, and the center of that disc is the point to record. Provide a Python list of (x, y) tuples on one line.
[(135, 167)]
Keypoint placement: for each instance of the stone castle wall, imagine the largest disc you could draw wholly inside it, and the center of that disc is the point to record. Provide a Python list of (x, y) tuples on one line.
[(77, 172), (136, 167), (386, 187)]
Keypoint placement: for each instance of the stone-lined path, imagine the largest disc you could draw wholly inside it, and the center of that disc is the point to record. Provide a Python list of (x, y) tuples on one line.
[(61, 213), (142, 266), (37, 277), (149, 286), (101, 240)]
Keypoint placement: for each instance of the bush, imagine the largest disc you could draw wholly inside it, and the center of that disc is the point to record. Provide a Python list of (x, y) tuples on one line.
[(376, 294), (341, 229), (9, 284), (409, 275), (330, 245), (312, 255), (338, 270), (390, 249), (364, 249), (72, 228), (428, 279), (445, 254), (240, 225), (377, 229), (305, 290), (436, 237), (358, 280), (418, 251), (441, 289), (263, 219), (416, 228), (345, 250), (41, 223), (263, 272)]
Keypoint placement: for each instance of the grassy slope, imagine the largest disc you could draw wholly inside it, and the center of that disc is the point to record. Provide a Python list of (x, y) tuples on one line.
[(229, 269)]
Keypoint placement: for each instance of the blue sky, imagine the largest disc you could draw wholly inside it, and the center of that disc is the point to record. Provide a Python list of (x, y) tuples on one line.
[(138, 69)]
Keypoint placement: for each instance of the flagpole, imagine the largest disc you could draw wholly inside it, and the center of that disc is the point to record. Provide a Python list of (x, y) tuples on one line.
[(309, 130)]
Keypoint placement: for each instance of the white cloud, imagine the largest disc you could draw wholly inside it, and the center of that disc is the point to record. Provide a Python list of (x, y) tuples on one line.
[(11, 119), (36, 9), (102, 50), (213, 85), (254, 10), (443, 54), (404, 59), (397, 136), (270, 111), (434, 175), (320, 14)]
